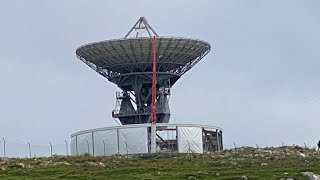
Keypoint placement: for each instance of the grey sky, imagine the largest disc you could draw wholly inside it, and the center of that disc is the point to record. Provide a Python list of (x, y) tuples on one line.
[(260, 82)]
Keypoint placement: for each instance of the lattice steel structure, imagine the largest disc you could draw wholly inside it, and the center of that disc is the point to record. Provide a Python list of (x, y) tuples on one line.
[(127, 62)]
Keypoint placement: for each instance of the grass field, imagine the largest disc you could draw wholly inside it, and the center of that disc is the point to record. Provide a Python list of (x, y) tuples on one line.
[(250, 163)]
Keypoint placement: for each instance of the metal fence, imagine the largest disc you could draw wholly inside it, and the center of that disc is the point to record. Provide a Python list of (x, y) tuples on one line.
[(21, 149), (129, 139)]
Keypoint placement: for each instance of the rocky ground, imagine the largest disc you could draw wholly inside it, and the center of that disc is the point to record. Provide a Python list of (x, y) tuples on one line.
[(285, 163)]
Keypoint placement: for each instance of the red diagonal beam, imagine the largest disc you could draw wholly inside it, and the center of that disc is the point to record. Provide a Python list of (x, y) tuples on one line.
[(154, 83)]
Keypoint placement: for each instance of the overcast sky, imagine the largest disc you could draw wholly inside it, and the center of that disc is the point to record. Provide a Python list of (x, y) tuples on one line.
[(260, 82)]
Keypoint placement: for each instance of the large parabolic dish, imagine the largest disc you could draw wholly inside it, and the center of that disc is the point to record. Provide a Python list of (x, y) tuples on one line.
[(127, 62)]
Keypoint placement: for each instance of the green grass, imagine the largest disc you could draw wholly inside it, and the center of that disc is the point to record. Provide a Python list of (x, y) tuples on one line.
[(220, 165)]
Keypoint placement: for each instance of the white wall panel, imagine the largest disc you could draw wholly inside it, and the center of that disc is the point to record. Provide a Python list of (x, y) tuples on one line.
[(133, 140), (190, 140), (109, 137), (83, 145)]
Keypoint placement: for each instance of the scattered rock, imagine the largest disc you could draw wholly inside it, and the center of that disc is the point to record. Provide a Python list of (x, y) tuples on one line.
[(264, 164), (285, 173), (302, 154), (2, 169), (47, 163), (217, 174), (311, 176), (243, 177), (192, 177), (29, 167), (101, 164), (290, 179), (93, 163), (96, 164), (61, 163), (50, 163), (18, 165)]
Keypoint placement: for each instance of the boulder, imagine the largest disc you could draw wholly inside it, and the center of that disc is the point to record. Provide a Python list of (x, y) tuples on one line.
[(311, 176)]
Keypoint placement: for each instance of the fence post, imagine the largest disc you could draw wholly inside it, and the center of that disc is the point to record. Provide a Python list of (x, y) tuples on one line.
[(92, 138), (235, 151), (4, 148), (221, 140), (189, 149), (172, 149), (118, 139), (281, 152), (217, 140), (50, 149), (126, 147), (77, 145), (29, 150), (88, 147), (66, 147), (306, 150), (104, 148)]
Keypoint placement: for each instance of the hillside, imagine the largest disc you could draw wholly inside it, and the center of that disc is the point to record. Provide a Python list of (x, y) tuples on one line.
[(244, 163)]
